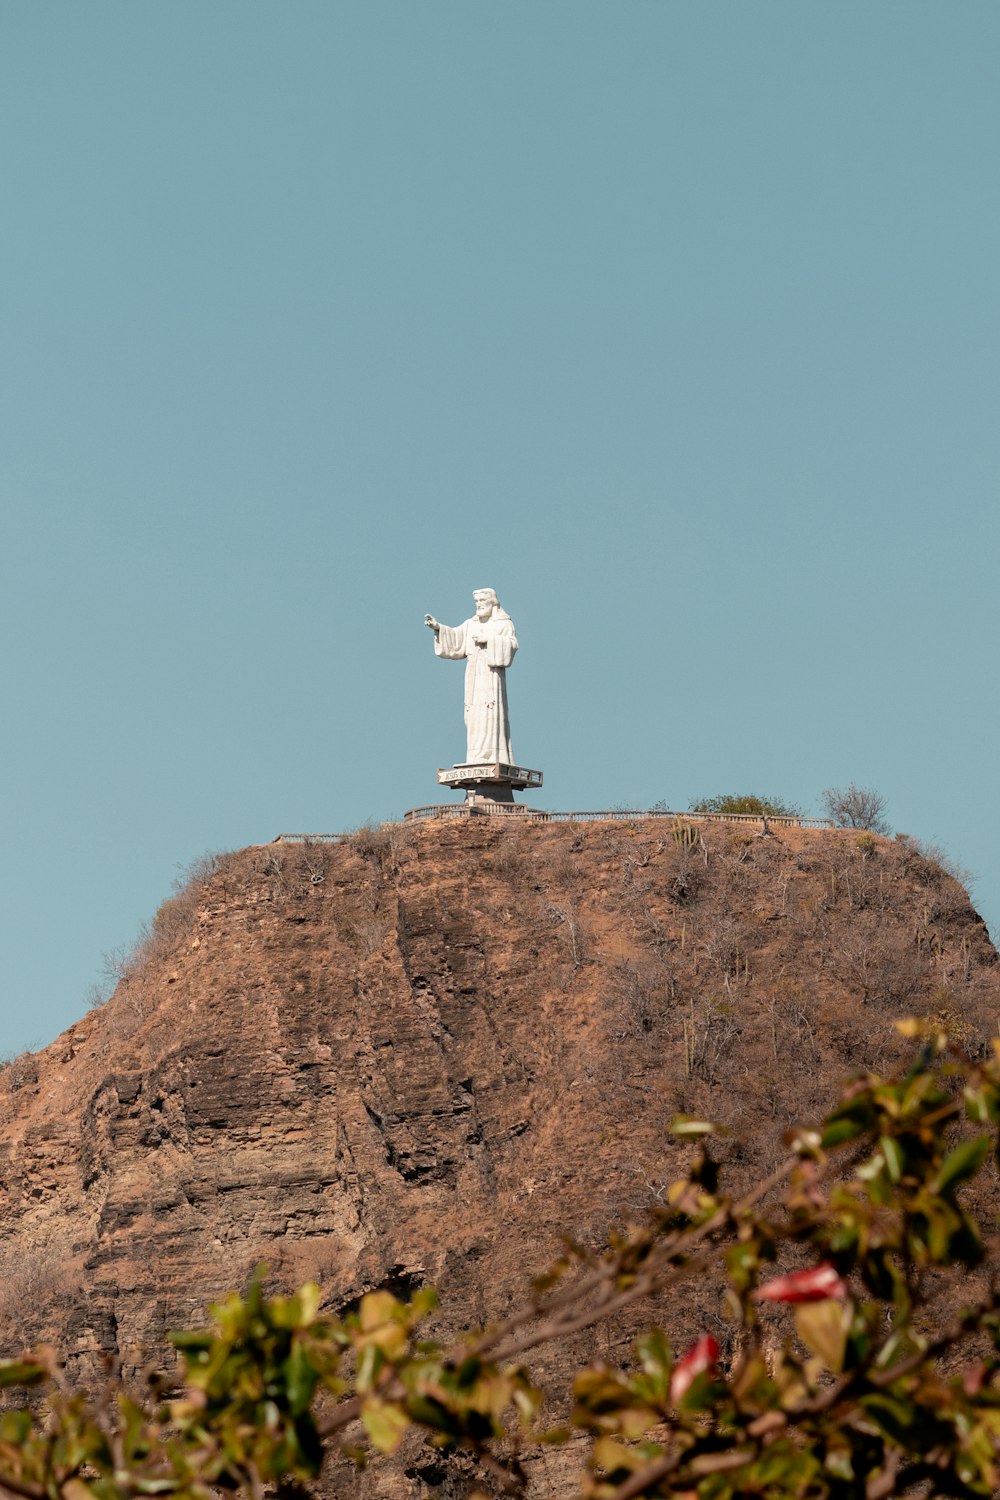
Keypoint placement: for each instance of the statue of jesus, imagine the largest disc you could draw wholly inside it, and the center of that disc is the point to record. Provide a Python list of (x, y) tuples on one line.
[(487, 644)]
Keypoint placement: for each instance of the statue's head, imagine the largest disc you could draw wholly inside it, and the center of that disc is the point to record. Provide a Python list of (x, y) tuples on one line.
[(486, 602)]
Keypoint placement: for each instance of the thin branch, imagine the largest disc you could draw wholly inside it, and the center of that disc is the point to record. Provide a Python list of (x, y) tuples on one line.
[(884, 1482), (643, 1478), (255, 1482), (24, 1487), (342, 1416)]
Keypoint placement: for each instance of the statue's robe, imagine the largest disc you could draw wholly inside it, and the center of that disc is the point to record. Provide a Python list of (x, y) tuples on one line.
[(487, 721)]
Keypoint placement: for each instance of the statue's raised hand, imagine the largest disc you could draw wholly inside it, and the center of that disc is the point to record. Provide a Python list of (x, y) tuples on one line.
[(431, 623)]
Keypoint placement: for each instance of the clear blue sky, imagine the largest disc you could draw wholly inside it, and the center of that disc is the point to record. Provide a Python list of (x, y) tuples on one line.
[(676, 323)]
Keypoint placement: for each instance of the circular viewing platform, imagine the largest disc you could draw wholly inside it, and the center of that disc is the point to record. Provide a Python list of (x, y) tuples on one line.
[(472, 777)]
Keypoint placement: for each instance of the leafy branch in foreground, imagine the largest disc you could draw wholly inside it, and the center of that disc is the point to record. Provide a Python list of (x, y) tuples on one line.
[(843, 1384)]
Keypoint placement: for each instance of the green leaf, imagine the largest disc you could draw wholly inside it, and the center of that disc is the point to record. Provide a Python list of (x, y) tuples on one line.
[(600, 1390), (742, 1261), (384, 1423), (838, 1463), (614, 1458), (370, 1361), (191, 1342), (21, 1372), (309, 1298), (430, 1413), (894, 1159), (684, 1125), (961, 1164), (15, 1426), (300, 1379), (309, 1442), (423, 1301), (896, 1417), (468, 1372), (841, 1128), (823, 1328), (656, 1358), (377, 1308), (977, 1107)]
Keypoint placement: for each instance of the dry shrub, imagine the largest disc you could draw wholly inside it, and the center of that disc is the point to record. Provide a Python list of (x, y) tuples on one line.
[(790, 1021), (946, 882), (272, 862), (314, 859), (728, 943), (176, 917), (637, 994), (684, 866), (948, 1010), (369, 933), (856, 807), (880, 961), (739, 843), (362, 923), (562, 869), (710, 1032), (18, 1071), (299, 870), (862, 885), (510, 858), (32, 1270), (375, 843), (567, 918), (126, 967)]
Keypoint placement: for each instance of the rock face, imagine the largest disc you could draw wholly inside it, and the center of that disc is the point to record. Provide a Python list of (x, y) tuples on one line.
[(428, 1053)]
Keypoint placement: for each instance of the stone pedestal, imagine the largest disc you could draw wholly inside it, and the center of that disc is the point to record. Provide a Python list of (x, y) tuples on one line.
[(494, 782)]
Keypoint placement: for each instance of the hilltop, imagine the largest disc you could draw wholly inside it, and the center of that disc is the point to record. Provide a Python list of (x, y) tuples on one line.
[(429, 1052)]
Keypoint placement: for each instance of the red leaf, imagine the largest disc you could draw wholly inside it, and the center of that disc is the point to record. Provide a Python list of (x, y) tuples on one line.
[(813, 1285), (701, 1357)]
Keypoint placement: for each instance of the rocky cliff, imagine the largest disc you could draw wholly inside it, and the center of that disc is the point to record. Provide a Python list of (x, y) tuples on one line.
[(428, 1053)]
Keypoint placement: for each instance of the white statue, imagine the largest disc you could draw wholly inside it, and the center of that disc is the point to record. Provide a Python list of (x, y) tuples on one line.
[(487, 642)]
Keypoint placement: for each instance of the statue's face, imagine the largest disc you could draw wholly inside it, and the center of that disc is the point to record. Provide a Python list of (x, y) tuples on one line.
[(484, 601)]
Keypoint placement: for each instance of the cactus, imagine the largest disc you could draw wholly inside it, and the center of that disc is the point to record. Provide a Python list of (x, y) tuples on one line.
[(690, 1042), (686, 836)]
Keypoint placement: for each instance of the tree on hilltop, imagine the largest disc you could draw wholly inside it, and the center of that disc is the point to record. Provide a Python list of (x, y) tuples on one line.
[(747, 804), (856, 807)]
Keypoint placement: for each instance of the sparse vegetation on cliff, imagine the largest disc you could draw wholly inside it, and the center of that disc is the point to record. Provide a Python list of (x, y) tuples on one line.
[(171, 923)]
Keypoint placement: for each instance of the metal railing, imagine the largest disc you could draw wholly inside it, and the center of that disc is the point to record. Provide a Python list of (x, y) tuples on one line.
[(609, 815), (485, 809), (311, 838)]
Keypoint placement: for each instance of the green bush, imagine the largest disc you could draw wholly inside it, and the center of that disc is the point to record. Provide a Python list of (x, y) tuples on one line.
[(747, 804)]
